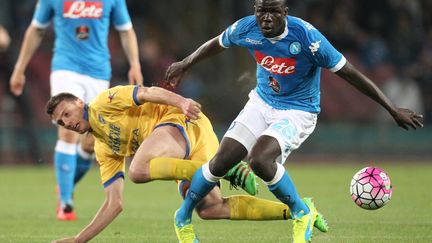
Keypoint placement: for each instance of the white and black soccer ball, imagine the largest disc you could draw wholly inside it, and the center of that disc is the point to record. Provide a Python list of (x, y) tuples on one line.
[(371, 188)]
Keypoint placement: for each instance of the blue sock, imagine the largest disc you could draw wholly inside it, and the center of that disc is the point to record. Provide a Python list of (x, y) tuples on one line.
[(199, 188), (285, 191), (65, 165), (83, 164)]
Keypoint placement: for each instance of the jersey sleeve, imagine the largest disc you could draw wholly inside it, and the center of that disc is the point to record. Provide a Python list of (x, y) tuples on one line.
[(321, 51), (43, 14), (120, 16), (111, 167), (117, 99), (231, 36)]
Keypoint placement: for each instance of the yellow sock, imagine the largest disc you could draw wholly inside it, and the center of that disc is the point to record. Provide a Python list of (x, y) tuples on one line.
[(245, 207), (162, 168)]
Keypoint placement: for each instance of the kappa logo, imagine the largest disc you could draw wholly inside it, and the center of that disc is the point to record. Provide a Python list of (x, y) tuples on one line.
[(314, 47), (111, 96), (253, 42)]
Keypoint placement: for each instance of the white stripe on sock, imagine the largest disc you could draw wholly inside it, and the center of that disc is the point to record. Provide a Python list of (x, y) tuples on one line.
[(280, 171), (208, 175), (66, 148)]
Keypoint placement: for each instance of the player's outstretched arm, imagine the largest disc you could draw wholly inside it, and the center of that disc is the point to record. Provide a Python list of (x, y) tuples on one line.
[(158, 95), (130, 46), (109, 210), (176, 71), (405, 118), (32, 40)]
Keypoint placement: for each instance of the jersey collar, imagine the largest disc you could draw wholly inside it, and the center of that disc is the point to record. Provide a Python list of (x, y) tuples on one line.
[(281, 36), (86, 112)]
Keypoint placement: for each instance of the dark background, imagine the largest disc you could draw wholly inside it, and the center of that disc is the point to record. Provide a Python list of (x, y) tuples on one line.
[(389, 40)]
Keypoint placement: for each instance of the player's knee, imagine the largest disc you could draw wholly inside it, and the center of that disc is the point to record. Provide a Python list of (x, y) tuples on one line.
[(88, 148), (137, 176), (68, 136), (116, 206), (204, 214), (87, 145)]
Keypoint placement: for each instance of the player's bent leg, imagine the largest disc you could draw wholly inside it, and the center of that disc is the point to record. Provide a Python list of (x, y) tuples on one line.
[(213, 206), (165, 141)]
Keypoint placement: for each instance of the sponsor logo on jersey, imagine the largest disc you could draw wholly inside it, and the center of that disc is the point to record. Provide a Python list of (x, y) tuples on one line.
[(114, 141), (82, 32), (82, 10), (274, 84), (135, 140), (276, 65), (295, 48), (253, 42)]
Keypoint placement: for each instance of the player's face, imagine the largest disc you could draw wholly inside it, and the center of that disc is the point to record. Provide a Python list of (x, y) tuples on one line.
[(270, 15), (70, 115)]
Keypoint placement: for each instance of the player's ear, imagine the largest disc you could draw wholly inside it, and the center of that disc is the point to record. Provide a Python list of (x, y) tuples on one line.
[(286, 11), (80, 103)]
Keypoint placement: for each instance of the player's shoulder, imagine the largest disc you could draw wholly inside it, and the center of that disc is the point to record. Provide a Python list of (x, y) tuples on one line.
[(244, 25), (299, 25)]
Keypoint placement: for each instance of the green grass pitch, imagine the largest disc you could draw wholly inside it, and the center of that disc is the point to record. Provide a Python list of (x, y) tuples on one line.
[(27, 205)]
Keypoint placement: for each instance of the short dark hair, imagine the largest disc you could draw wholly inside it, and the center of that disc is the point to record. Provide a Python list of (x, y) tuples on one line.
[(57, 99), (284, 2)]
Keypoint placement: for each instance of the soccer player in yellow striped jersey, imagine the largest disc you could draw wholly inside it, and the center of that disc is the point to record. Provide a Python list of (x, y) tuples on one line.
[(164, 135)]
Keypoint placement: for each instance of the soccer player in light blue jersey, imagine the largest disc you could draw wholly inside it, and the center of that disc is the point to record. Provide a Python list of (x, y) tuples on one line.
[(81, 66), (282, 110)]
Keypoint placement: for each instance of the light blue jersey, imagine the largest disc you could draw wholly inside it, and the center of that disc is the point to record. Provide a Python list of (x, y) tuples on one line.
[(81, 29), (289, 65)]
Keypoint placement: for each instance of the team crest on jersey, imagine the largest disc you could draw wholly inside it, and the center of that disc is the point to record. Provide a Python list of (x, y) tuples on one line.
[(111, 96), (274, 84), (276, 65), (82, 10), (295, 48)]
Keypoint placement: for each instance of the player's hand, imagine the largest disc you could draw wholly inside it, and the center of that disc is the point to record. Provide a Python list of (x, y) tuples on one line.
[(407, 118), (135, 75), (66, 240), (175, 73), (191, 109), (17, 82)]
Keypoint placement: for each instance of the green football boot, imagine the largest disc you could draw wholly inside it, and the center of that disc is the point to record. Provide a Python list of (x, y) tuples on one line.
[(320, 222), (242, 176), (303, 223), (185, 233)]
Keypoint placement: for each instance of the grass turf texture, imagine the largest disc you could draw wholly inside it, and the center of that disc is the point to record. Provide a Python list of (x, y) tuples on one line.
[(27, 208)]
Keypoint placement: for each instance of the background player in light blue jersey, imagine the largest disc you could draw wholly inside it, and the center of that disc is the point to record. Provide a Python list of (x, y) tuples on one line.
[(282, 110), (80, 65)]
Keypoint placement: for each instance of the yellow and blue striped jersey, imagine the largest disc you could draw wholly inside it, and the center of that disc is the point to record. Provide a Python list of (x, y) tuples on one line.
[(120, 124)]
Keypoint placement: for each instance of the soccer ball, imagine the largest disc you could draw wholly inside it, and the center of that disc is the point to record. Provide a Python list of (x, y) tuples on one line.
[(371, 188)]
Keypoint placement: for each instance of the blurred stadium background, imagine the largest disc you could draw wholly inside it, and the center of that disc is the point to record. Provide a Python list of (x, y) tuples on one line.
[(389, 40)]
